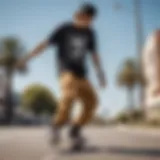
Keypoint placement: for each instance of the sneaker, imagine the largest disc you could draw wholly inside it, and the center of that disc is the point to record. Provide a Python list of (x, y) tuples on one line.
[(55, 136), (77, 144)]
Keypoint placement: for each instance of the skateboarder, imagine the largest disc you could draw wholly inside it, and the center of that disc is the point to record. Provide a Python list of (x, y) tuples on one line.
[(74, 40)]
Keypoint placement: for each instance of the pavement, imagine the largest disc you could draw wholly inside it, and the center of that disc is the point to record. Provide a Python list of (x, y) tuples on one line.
[(112, 143)]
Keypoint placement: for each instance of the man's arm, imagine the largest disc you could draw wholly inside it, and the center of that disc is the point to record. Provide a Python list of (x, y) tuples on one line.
[(99, 70), (54, 38), (96, 59), (38, 50)]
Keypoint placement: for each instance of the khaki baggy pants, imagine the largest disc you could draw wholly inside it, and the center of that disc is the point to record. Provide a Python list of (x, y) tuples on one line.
[(75, 88)]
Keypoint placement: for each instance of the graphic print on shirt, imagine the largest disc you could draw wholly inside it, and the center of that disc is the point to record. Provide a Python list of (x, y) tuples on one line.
[(76, 46)]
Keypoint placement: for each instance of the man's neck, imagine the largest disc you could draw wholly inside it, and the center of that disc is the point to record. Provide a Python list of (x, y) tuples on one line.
[(79, 24)]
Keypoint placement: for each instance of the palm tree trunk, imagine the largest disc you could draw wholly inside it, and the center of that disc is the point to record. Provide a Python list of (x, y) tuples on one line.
[(8, 112), (8, 103), (130, 98)]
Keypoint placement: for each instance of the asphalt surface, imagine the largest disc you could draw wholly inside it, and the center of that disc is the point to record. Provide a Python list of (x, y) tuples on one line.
[(112, 143)]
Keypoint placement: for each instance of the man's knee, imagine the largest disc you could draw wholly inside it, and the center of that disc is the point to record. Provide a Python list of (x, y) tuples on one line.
[(89, 111), (61, 117), (63, 110)]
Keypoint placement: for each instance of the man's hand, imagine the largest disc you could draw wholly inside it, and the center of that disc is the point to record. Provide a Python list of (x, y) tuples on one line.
[(21, 64), (99, 70), (38, 50)]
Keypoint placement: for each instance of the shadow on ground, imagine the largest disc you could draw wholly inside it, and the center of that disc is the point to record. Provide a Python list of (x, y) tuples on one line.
[(115, 150)]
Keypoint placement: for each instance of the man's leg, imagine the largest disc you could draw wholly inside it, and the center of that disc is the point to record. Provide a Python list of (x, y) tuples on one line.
[(89, 104), (65, 104), (61, 118)]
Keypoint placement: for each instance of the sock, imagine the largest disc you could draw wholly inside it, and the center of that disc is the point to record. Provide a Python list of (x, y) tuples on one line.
[(75, 131)]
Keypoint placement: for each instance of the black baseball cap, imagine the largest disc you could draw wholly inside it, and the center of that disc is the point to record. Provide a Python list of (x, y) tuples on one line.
[(88, 9)]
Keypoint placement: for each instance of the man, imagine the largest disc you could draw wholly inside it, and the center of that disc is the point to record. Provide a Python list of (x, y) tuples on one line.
[(74, 40)]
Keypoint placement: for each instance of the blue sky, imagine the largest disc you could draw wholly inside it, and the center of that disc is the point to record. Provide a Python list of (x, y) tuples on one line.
[(33, 20)]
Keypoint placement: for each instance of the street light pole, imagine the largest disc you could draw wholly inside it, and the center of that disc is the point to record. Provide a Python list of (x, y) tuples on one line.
[(138, 27), (139, 39), (139, 43)]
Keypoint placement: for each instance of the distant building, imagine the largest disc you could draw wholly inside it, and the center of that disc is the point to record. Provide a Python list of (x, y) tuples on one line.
[(151, 70)]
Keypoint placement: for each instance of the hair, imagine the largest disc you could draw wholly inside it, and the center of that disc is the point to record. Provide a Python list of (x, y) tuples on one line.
[(88, 9)]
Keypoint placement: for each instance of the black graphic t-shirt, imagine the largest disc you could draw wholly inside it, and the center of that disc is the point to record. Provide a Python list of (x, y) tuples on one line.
[(73, 44)]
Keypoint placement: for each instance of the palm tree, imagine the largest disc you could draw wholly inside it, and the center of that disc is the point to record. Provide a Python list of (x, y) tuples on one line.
[(11, 51), (128, 77)]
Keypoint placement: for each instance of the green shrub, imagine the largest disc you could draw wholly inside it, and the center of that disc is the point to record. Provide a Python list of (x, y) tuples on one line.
[(38, 99)]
